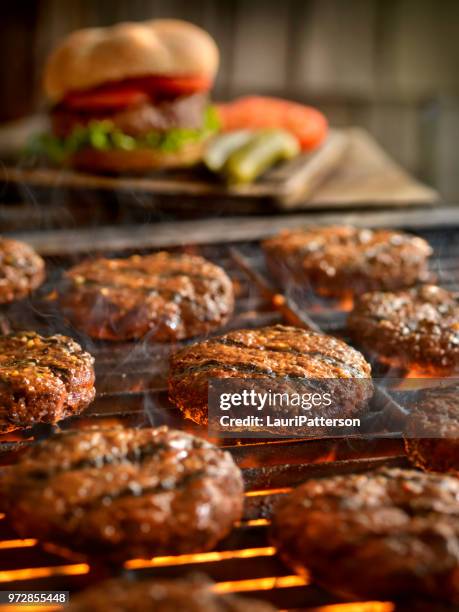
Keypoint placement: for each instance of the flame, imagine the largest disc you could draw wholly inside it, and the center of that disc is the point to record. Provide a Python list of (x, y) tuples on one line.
[(44, 572), (262, 522), (328, 457), (325, 303), (345, 303), (416, 378), (367, 606), (260, 584), (17, 543), (2, 516), (246, 553), (260, 492)]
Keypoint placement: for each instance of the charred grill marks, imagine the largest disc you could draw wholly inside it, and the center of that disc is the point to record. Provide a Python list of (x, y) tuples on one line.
[(168, 297), (332, 360), (274, 352), (122, 502)]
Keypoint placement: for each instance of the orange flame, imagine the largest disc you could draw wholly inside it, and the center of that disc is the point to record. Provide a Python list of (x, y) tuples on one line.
[(44, 572), (367, 606), (260, 584), (246, 553), (253, 523), (17, 543), (260, 492)]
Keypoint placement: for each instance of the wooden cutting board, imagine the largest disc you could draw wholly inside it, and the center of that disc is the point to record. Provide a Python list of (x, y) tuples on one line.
[(350, 169)]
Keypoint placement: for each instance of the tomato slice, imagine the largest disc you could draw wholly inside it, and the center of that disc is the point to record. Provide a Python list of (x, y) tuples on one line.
[(109, 99), (174, 84), (135, 91), (255, 112)]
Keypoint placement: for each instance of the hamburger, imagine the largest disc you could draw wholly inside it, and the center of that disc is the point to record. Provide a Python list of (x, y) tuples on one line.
[(131, 97)]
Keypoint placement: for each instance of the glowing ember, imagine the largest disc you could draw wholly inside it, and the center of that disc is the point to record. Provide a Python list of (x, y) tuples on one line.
[(260, 492), (17, 543), (346, 304), (44, 572), (260, 584), (330, 456), (327, 304), (416, 378), (254, 523), (246, 553), (367, 606)]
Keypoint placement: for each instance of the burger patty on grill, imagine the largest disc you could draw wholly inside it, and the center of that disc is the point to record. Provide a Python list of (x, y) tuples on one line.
[(417, 327), (42, 379), (345, 261), (272, 352), (162, 595), (21, 270), (432, 433), (183, 112), (167, 296), (124, 493), (383, 534)]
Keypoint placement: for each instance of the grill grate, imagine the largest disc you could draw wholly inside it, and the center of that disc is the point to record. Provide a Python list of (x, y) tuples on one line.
[(131, 390)]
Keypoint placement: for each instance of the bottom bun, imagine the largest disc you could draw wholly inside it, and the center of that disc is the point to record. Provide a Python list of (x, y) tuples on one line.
[(119, 161)]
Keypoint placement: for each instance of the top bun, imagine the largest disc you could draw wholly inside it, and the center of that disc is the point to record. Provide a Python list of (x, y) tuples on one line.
[(94, 56)]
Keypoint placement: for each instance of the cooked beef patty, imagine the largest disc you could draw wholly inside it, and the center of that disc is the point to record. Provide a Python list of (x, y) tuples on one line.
[(432, 434), (376, 535), (185, 112), (270, 352), (418, 327), (21, 270), (124, 493), (165, 296), (42, 379), (162, 595), (345, 261)]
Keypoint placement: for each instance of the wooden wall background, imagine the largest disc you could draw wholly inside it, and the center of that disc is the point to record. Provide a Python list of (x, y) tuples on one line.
[(391, 66)]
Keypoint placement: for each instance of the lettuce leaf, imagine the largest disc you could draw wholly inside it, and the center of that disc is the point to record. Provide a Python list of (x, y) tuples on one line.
[(104, 135)]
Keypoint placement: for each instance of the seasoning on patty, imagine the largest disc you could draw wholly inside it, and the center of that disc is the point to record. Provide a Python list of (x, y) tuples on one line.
[(432, 433), (341, 262), (124, 493), (266, 353), (162, 595), (417, 328), (382, 534), (42, 379), (165, 296), (21, 270)]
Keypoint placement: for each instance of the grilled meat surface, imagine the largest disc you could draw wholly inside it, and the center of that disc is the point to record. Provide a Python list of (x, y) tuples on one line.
[(432, 433), (418, 327), (21, 270), (272, 352), (163, 296), (42, 379), (384, 534), (125, 492), (345, 261)]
